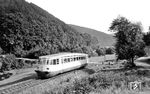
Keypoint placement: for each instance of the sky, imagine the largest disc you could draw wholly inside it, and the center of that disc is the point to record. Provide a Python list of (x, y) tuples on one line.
[(97, 14)]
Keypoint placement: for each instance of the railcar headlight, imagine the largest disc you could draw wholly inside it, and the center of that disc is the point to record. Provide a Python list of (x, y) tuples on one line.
[(47, 68)]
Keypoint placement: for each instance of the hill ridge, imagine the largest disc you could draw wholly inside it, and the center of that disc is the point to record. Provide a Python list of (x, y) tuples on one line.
[(30, 31), (103, 38)]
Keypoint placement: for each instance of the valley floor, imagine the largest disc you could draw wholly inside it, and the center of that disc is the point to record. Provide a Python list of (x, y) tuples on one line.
[(96, 78)]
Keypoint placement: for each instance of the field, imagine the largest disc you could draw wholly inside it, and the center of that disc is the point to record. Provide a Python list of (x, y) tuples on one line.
[(107, 79), (106, 82), (102, 58)]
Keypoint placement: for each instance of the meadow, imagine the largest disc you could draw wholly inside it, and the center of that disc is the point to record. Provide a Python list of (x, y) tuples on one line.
[(113, 81), (96, 78)]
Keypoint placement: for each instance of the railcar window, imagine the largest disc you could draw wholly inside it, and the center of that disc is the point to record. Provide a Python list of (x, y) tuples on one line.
[(57, 61), (44, 61), (65, 60), (71, 59), (68, 59), (39, 61), (74, 59), (54, 62), (47, 62)]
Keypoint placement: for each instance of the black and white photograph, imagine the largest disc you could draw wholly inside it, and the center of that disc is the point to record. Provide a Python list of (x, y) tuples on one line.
[(74, 47)]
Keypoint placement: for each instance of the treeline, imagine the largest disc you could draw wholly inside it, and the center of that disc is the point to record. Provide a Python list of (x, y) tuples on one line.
[(146, 38), (105, 51), (131, 41), (26, 30)]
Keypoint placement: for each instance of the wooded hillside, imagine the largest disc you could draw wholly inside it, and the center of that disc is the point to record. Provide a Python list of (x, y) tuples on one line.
[(105, 40), (26, 30)]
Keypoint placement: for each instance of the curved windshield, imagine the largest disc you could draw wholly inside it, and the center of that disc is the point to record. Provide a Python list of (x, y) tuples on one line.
[(42, 61)]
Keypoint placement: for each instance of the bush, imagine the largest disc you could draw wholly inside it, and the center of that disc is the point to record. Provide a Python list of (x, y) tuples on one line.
[(100, 51), (9, 62), (110, 50), (106, 50)]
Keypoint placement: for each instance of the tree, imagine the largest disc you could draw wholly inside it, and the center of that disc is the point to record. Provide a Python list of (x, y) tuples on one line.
[(26, 30), (129, 39), (101, 51), (9, 62), (147, 38)]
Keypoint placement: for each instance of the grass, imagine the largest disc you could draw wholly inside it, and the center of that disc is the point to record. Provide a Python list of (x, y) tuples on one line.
[(102, 58), (94, 80), (107, 82)]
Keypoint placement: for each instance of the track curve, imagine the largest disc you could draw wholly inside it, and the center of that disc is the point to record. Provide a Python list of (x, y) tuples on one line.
[(14, 88)]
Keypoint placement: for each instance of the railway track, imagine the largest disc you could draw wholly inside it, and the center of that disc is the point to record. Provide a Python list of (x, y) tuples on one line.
[(14, 88)]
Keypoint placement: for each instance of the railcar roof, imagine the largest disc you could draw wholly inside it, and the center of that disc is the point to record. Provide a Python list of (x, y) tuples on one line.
[(61, 55), (26, 59)]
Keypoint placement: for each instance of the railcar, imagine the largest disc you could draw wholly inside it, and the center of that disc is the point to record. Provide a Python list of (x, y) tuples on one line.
[(54, 64)]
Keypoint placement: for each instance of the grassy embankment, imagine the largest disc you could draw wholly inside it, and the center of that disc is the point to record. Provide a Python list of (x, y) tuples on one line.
[(103, 78), (95, 79), (111, 81), (106, 82)]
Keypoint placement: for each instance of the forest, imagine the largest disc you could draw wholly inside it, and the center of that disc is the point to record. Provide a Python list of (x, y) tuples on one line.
[(28, 31)]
